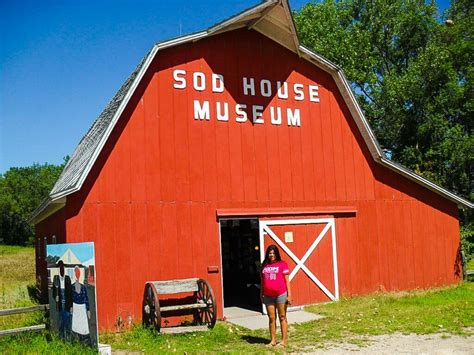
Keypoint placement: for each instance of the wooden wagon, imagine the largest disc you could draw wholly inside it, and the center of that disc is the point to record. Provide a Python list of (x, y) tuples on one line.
[(203, 306)]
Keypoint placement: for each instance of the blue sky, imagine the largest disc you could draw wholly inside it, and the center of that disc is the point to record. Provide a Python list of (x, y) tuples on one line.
[(83, 251), (61, 61)]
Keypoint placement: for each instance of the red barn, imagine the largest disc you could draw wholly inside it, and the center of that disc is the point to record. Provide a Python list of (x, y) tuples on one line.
[(227, 140)]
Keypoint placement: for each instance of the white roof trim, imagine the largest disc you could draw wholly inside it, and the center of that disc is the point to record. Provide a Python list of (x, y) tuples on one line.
[(286, 8), (47, 208), (321, 62), (422, 181), (366, 131)]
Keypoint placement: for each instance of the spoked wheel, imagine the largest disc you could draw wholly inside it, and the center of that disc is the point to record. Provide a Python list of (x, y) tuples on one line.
[(204, 295), (151, 315)]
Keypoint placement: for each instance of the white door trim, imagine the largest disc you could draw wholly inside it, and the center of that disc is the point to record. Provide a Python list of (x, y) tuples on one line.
[(264, 227)]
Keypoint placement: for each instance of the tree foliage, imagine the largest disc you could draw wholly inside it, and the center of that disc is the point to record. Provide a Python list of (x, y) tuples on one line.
[(412, 71), (21, 192), (412, 74)]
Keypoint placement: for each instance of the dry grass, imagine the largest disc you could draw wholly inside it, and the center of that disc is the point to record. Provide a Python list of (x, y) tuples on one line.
[(17, 274), (17, 264)]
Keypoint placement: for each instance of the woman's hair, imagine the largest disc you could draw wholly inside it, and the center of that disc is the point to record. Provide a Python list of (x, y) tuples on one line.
[(267, 253)]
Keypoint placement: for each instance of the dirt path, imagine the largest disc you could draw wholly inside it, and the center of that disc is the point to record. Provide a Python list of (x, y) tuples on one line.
[(440, 344)]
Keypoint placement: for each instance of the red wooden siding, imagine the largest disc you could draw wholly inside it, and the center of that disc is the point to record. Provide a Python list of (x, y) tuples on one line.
[(44, 232), (150, 202)]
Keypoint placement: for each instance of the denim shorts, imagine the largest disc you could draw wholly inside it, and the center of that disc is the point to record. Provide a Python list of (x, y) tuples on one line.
[(268, 300)]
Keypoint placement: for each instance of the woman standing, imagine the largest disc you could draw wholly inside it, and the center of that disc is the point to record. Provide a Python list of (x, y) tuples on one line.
[(80, 309), (276, 292)]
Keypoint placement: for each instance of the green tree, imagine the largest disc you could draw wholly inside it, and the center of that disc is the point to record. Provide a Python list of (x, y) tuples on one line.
[(21, 192), (412, 71), (412, 75)]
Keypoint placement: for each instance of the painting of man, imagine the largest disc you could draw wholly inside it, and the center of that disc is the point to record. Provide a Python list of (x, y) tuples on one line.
[(62, 295)]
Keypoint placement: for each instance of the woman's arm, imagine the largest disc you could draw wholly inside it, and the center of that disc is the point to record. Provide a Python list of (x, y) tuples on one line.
[(288, 288)]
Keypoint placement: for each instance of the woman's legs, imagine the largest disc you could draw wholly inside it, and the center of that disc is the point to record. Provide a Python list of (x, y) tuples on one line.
[(271, 312), (283, 322)]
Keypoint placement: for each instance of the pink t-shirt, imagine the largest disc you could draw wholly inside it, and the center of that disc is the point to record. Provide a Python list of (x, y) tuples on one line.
[(273, 278)]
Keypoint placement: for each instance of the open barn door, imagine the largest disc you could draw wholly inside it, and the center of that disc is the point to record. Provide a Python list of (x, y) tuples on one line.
[(309, 248)]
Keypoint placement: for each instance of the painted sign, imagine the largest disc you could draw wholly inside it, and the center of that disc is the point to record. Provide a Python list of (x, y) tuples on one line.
[(71, 291), (263, 88)]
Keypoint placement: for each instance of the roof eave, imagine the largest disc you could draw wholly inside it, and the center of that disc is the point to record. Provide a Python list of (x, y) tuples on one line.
[(46, 209), (425, 182), (291, 22)]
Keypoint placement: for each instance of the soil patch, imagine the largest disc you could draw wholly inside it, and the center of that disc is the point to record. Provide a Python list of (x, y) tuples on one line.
[(402, 344)]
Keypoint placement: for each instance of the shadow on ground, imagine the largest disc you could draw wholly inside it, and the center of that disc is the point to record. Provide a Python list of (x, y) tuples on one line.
[(254, 340)]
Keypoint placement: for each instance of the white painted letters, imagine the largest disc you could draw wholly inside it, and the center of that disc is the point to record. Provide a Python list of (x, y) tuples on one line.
[(314, 93), (249, 86), (199, 81), (299, 93), (275, 120), (270, 110), (282, 90), (266, 88), (217, 83), (222, 116), (257, 113), (180, 81), (293, 118), (240, 111), (201, 112)]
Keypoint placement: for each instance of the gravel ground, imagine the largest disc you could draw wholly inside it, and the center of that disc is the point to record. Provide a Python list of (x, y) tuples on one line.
[(439, 344)]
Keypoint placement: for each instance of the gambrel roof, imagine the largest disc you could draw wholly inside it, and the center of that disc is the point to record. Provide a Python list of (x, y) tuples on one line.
[(273, 19)]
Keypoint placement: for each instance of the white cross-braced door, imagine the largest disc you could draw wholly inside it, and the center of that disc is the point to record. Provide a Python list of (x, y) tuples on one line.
[(326, 233)]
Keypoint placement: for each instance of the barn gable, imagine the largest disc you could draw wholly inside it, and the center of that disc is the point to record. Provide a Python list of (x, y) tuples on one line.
[(273, 20)]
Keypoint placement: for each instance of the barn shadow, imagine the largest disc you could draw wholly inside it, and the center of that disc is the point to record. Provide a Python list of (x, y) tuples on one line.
[(212, 56)]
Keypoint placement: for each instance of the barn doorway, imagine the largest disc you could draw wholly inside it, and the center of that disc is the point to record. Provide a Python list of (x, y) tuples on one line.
[(240, 248)]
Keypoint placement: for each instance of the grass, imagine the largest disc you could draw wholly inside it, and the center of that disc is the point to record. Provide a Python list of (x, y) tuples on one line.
[(470, 265), (447, 310), (224, 337), (17, 270), (16, 283)]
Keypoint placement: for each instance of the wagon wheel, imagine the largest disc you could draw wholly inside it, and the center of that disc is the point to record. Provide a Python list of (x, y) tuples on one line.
[(151, 315), (204, 295)]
